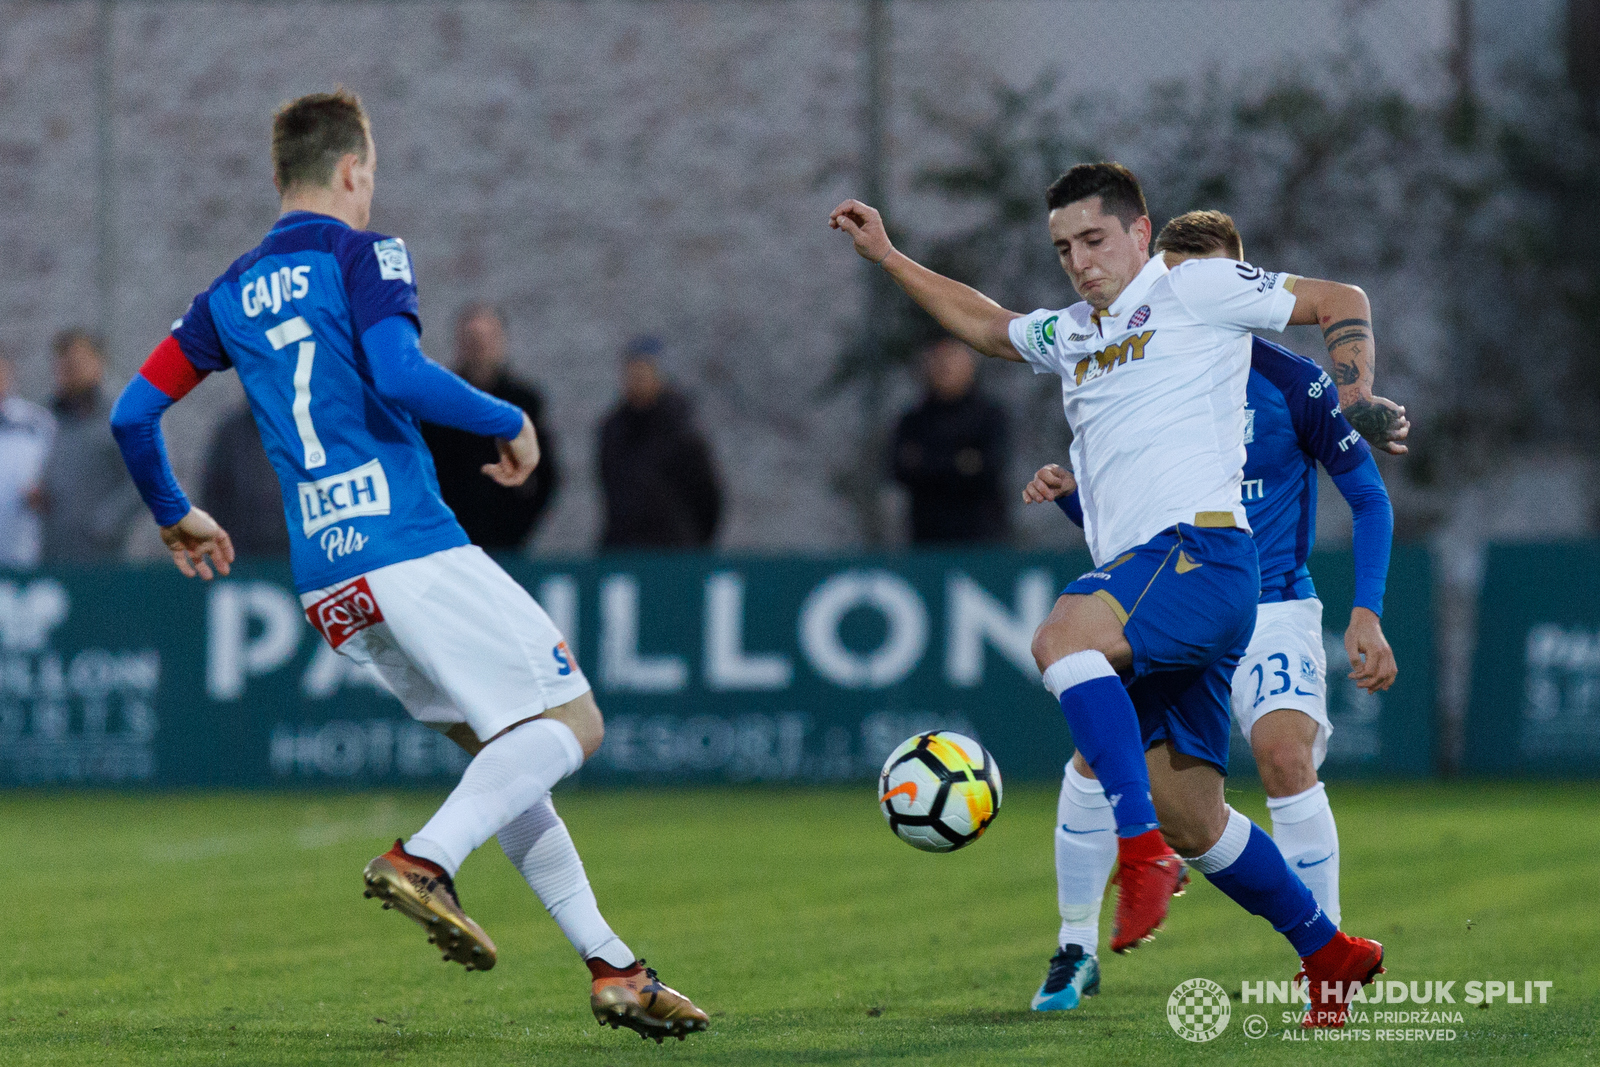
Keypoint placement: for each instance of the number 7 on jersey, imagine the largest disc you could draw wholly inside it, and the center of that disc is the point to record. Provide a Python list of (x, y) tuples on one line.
[(281, 335)]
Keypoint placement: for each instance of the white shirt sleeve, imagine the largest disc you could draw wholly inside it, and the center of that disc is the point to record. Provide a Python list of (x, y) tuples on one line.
[(1034, 337), (1232, 295)]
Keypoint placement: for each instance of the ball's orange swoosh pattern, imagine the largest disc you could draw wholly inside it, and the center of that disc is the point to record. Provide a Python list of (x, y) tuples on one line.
[(908, 788)]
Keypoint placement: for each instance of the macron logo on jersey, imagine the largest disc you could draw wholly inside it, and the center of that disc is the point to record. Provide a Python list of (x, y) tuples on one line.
[(363, 490)]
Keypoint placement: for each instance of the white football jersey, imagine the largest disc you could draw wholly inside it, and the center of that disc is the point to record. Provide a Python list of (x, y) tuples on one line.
[(1154, 392)]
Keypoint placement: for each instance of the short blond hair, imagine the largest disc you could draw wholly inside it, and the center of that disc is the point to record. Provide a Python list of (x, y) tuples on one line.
[(1200, 233)]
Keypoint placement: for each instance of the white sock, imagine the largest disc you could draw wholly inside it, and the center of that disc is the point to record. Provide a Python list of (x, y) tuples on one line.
[(1303, 827), (538, 845), (1229, 847), (507, 778), (1086, 850)]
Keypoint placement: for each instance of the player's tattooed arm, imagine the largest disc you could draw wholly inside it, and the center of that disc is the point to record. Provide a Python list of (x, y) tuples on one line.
[(1349, 344), (1345, 317), (961, 309), (1350, 348)]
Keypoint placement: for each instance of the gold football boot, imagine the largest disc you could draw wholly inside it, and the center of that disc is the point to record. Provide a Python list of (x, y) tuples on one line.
[(422, 891), (637, 999)]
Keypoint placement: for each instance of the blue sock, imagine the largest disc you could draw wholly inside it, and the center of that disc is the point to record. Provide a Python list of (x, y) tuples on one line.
[(1246, 865), (1105, 727)]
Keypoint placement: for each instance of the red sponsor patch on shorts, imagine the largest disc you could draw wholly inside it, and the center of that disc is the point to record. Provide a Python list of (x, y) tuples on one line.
[(346, 613)]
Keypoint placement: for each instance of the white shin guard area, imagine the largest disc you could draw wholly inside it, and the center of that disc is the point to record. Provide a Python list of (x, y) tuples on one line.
[(1086, 851), (1304, 829), (508, 777), (538, 845)]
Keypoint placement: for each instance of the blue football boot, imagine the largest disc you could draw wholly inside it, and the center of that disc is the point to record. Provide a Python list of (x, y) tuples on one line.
[(1072, 977)]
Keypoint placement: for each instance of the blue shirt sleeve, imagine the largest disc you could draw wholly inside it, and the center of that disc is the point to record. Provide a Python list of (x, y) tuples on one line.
[(197, 335), (1362, 487), (136, 424), (378, 279), (1071, 506), (1324, 432), (404, 375)]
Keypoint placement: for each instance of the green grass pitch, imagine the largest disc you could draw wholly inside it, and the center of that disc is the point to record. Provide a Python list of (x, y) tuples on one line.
[(230, 929)]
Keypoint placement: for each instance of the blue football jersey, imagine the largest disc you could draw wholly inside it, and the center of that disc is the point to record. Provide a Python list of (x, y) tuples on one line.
[(359, 488), (1292, 423)]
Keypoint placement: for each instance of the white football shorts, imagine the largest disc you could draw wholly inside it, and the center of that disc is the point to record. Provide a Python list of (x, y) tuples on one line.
[(1285, 667), (453, 637)]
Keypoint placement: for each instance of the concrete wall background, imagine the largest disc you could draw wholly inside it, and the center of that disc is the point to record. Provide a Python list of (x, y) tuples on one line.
[(599, 169)]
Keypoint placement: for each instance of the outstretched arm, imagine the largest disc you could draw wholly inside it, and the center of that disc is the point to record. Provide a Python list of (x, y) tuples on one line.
[(961, 309), (1345, 315), (193, 537), (403, 374)]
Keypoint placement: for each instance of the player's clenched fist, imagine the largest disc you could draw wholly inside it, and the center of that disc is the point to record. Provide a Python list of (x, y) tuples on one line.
[(1050, 482), (865, 226)]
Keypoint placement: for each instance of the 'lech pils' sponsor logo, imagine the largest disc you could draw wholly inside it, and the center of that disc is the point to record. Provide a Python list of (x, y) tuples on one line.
[(362, 490)]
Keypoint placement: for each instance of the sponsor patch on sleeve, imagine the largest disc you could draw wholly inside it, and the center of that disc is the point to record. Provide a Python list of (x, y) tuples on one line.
[(1043, 335), (394, 262), (346, 613)]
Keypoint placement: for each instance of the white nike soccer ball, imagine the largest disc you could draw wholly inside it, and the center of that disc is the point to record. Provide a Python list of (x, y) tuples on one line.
[(939, 791)]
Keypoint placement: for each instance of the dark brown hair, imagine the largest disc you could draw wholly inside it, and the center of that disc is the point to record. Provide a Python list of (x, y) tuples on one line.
[(312, 133), (1114, 184), (1199, 233)]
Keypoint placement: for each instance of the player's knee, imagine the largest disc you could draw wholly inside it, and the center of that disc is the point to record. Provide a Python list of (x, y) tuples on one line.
[(1285, 766), (1189, 837), (592, 731), (1044, 652), (582, 717), (1190, 824)]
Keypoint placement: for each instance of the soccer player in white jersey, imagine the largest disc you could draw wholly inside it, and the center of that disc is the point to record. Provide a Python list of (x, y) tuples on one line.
[(1293, 423), (1140, 651), (321, 323)]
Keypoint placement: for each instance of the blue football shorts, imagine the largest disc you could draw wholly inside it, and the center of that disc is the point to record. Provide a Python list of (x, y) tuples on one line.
[(1187, 603)]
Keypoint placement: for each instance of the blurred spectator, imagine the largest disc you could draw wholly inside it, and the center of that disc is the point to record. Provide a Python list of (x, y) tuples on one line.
[(84, 494), (656, 471), (26, 430), (950, 451), (493, 516), (240, 488)]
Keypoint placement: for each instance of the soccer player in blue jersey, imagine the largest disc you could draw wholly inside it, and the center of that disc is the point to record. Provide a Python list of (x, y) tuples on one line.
[(1293, 422), (321, 322)]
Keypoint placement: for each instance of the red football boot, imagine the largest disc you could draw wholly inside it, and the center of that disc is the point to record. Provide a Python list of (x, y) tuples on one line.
[(1333, 972), (1149, 874)]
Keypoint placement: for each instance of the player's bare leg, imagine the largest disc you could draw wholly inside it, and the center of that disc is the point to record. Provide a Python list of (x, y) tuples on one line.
[(1243, 862), (1302, 822), (1080, 648)]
